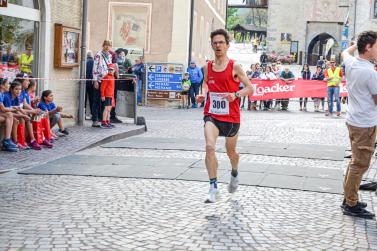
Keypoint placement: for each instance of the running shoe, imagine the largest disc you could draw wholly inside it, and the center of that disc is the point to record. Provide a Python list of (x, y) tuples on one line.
[(233, 184), (47, 143), (105, 126), (212, 195), (35, 145), (22, 147), (9, 143), (9, 148), (338, 114)]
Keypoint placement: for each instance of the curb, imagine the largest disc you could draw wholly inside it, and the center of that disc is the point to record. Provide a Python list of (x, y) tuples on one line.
[(108, 139), (118, 136)]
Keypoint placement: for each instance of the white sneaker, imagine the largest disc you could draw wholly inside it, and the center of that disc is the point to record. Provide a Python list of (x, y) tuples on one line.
[(212, 195), (233, 184)]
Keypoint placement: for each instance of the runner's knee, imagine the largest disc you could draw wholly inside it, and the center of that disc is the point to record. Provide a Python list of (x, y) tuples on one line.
[(232, 153), (210, 149)]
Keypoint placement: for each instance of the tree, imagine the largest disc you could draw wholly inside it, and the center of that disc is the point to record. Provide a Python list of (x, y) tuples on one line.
[(232, 18)]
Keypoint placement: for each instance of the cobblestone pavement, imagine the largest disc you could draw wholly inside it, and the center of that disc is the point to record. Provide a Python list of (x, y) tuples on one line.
[(79, 138), (93, 213)]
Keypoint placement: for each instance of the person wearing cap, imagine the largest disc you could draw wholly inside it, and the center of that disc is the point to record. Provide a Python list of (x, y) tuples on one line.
[(26, 61), (333, 77), (196, 77), (107, 95), (101, 60)]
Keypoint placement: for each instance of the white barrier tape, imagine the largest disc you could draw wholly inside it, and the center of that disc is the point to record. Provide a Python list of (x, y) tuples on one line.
[(75, 79)]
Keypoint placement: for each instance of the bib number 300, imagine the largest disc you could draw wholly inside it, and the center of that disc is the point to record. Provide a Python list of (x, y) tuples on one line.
[(218, 105)]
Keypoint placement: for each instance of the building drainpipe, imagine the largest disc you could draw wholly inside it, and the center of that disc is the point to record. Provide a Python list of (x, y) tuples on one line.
[(81, 115), (191, 31), (354, 21)]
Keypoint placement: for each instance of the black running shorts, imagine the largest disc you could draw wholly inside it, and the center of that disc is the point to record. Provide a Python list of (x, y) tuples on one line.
[(226, 129)]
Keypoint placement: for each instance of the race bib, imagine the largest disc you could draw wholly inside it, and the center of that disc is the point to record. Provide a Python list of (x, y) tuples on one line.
[(218, 104)]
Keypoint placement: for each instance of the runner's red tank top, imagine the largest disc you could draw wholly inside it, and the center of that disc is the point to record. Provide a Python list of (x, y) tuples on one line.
[(222, 82)]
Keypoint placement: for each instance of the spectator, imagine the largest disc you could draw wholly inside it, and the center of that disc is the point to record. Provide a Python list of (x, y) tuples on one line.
[(185, 85), (138, 70), (124, 64), (287, 76), (8, 57), (14, 99), (276, 70), (268, 75), (250, 71), (333, 76), (6, 117), (26, 61), (318, 75), (54, 112), (89, 81), (113, 118), (306, 75), (263, 59), (196, 77), (102, 59), (255, 75), (107, 95), (321, 63)]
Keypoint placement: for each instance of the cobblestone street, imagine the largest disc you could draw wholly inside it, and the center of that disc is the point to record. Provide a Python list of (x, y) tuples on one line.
[(45, 212)]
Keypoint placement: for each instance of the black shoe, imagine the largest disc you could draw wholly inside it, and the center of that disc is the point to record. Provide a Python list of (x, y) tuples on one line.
[(115, 120), (359, 203), (357, 211), (370, 186), (65, 132)]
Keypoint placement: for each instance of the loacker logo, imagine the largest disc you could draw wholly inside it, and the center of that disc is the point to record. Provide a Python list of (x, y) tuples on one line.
[(262, 90)]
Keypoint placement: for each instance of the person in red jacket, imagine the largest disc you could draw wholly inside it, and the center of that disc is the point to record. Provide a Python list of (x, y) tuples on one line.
[(107, 95)]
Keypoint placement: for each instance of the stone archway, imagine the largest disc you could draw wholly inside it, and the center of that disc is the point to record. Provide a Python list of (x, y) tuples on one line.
[(317, 48)]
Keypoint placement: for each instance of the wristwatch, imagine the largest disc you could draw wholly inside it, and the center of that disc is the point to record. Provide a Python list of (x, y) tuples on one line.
[(237, 94)]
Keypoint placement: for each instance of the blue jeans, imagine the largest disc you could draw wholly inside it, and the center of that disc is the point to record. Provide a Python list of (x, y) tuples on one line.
[(139, 90), (331, 92), (194, 91)]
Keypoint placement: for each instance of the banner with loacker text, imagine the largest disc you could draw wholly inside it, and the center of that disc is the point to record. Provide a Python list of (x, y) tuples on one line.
[(278, 89)]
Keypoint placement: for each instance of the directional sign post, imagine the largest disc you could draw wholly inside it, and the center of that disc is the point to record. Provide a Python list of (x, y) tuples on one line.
[(163, 81)]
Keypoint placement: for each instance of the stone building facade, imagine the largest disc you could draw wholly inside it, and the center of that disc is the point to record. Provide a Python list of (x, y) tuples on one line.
[(313, 23), (161, 28), (167, 32)]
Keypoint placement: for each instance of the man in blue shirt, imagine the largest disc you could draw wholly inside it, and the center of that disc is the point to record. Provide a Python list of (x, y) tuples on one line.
[(195, 77)]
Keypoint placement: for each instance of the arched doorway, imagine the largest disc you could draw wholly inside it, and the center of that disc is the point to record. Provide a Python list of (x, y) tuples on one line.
[(317, 48)]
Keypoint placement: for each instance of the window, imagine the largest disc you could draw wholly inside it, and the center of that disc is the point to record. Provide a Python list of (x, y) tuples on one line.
[(26, 3), (18, 46), (375, 9)]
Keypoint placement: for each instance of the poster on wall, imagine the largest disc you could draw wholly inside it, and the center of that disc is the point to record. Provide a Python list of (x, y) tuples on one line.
[(130, 25), (66, 46), (285, 38)]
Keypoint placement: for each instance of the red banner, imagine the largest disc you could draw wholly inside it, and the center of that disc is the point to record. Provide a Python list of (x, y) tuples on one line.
[(278, 89)]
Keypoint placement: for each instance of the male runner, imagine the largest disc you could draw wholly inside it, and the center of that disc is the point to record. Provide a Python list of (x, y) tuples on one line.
[(221, 89)]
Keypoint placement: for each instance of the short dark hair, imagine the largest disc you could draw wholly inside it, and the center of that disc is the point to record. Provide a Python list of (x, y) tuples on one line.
[(220, 32), (15, 84), (365, 38)]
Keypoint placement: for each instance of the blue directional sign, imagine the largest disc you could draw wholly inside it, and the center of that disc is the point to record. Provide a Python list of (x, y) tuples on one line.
[(164, 77)]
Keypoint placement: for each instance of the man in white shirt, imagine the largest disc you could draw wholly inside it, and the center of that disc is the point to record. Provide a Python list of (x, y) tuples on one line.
[(361, 118)]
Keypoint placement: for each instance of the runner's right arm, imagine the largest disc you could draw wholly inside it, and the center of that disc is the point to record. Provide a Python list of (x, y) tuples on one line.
[(200, 98)]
